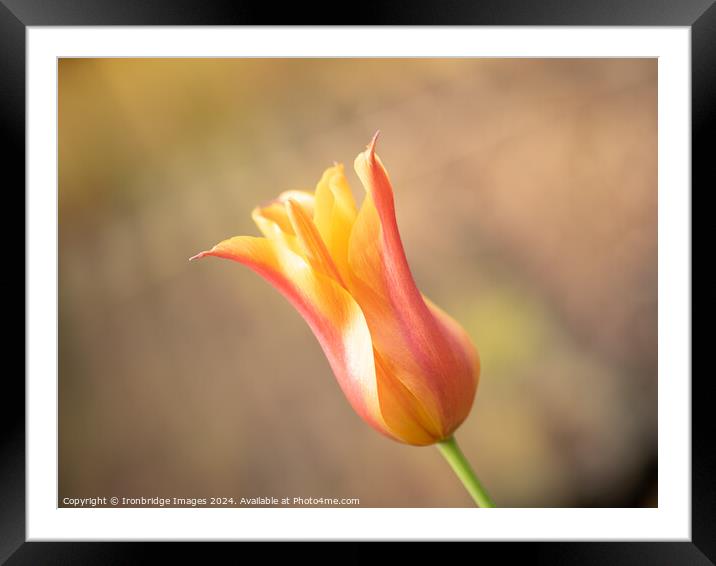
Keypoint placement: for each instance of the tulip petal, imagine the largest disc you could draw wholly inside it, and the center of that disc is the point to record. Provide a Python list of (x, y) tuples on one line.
[(332, 314), (466, 372), (402, 411), (335, 213), (271, 218), (425, 353), (305, 199), (273, 222), (312, 245), (386, 263)]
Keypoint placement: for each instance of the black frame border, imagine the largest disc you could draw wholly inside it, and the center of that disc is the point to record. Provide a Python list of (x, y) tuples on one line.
[(16, 15)]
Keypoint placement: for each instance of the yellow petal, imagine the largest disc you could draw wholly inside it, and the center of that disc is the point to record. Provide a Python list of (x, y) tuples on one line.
[(334, 214), (273, 220), (312, 245)]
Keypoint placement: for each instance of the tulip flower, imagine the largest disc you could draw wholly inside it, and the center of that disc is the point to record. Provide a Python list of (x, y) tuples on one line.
[(406, 367)]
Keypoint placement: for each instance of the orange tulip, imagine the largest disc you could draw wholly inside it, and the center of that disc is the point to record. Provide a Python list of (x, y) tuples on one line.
[(406, 367)]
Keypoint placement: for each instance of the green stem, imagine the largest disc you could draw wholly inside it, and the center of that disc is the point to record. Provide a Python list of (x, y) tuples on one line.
[(459, 464)]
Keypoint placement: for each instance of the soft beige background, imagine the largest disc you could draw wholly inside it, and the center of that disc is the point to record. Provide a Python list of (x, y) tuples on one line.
[(526, 197)]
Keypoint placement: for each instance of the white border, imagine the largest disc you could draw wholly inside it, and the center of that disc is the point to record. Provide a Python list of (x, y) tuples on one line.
[(672, 518)]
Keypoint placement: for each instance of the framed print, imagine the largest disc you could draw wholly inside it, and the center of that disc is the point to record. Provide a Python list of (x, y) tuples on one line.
[(424, 277)]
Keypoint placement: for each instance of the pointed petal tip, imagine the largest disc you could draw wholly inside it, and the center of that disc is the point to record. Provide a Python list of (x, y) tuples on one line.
[(291, 204), (200, 255), (292, 209), (371, 145)]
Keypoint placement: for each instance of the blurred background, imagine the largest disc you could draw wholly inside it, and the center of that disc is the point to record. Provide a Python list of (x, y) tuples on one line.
[(526, 194)]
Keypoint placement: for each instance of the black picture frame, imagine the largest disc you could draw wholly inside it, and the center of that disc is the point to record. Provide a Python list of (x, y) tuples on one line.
[(16, 15)]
